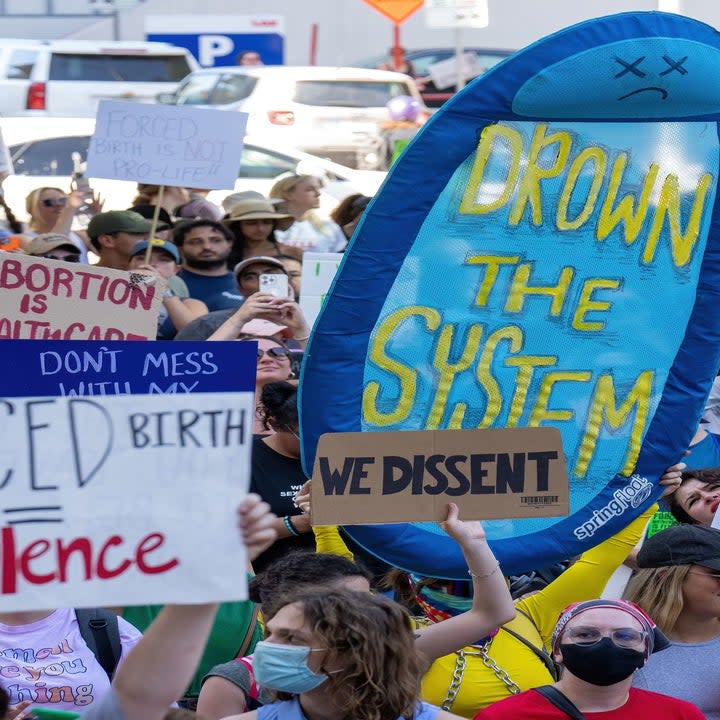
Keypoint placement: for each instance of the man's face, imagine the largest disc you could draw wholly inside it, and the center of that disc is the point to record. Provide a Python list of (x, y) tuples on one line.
[(205, 248), (67, 254), (121, 242), (249, 278), (162, 261)]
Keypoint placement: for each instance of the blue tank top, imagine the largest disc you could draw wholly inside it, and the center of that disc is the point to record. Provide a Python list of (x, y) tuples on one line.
[(291, 710)]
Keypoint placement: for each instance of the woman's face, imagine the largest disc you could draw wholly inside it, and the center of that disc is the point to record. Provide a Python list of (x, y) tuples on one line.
[(49, 205), (256, 230), (699, 499), (306, 194), (701, 592), (289, 627), (270, 367)]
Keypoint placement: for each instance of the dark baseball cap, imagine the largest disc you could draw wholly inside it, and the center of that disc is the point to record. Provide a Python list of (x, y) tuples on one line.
[(148, 212), (158, 244), (114, 221), (682, 545)]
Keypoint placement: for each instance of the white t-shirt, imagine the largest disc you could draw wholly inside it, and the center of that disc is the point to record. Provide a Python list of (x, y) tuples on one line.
[(305, 235), (48, 662)]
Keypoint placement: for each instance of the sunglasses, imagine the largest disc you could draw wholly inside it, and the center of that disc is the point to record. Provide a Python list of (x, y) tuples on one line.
[(275, 352), (59, 202), (65, 258)]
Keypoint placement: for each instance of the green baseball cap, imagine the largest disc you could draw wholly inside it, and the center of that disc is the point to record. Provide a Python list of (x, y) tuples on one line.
[(114, 221)]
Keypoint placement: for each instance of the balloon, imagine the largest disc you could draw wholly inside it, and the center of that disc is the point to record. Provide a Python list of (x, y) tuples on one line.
[(404, 107)]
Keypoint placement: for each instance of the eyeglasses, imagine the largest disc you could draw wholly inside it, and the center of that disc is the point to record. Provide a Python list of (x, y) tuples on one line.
[(57, 202), (622, 637), (276, 352), (65, 258)]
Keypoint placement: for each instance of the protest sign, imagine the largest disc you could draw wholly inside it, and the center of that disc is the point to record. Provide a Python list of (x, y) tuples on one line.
[(318, 271), (126, 466), (389, 477), (166, 145), (554, 265), (44, 299)]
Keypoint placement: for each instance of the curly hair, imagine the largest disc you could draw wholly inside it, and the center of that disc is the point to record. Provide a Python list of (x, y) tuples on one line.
[(709, 476), (278, 406), (658, 591), (371, 639)]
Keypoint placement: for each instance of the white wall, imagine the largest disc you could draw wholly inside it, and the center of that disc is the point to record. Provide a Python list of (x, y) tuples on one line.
[(350, 30)]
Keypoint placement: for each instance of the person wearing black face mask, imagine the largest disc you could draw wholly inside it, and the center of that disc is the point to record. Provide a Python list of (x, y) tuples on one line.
[(599, 644)]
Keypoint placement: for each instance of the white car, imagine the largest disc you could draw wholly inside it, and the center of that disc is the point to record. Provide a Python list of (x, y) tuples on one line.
[(42, 150), (327, 111), (69, 77)]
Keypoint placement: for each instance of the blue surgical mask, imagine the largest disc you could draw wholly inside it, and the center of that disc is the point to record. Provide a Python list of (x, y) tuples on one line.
[(284, 668)]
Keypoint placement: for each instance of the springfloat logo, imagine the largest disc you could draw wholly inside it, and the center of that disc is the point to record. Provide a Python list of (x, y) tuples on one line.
[(633, 495)]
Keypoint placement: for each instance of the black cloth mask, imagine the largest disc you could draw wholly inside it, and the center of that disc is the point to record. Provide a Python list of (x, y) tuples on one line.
[(602, 663)]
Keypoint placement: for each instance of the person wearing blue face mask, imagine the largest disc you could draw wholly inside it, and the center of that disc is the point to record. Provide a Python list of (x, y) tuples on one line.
[(340, 654)]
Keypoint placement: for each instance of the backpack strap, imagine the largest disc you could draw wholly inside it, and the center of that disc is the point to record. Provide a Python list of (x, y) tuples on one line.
[(100, 630), (547, 660), (560, 701), (249, 633), (253, 690)]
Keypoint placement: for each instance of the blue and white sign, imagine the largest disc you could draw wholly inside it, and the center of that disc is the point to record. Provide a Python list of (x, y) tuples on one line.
[(122, 468), (217, 40)]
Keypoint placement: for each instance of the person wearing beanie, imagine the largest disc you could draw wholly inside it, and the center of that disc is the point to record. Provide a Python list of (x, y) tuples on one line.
[(599, 644)]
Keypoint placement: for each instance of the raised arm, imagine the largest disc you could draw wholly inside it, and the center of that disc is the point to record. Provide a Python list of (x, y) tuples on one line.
[(161, 665), (492, 604)]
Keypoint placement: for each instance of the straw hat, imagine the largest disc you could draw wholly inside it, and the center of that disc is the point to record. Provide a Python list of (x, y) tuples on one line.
[(253, 209)]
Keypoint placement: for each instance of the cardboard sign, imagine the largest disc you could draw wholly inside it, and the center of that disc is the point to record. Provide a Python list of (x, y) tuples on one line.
[(390, 477), (112, 498), (318, 271), (44, 299), (167, 145)]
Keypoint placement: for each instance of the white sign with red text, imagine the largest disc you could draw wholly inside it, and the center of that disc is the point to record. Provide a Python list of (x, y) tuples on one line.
[(122, 500)]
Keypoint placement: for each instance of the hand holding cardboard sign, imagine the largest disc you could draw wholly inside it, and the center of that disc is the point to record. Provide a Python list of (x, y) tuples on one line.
[(465, 532), (672, 478), (302, 499)]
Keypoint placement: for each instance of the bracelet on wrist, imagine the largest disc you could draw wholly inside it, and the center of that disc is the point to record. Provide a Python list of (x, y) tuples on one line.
[(301, 339), (290, 527), (480, 576)]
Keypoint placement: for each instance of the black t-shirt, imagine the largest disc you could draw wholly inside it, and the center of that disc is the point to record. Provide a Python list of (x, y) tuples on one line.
[(276, 479)]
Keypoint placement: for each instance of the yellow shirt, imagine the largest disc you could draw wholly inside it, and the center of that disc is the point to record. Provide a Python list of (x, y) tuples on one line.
[(585, 580)]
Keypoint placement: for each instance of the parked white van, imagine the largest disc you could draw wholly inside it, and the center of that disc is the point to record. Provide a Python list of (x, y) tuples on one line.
[(69, 77)]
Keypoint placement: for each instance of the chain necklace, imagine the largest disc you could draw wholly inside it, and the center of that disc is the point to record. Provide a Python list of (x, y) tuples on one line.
[(459, 672)]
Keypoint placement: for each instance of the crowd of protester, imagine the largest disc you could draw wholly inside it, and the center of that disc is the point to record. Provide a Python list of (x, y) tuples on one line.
[(328, 632)]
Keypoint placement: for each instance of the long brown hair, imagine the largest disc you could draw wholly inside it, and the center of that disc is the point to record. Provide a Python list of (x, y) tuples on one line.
[(371, 639), (658, 591)]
